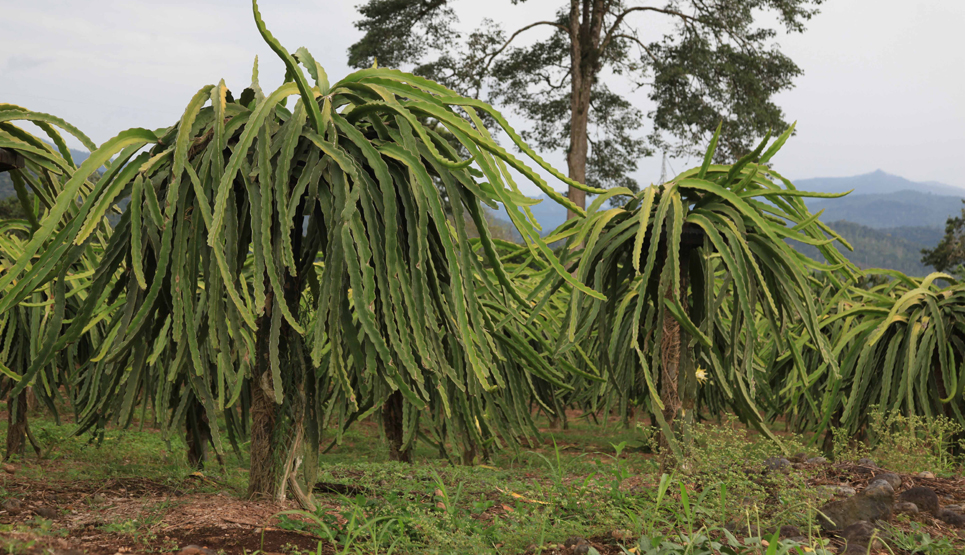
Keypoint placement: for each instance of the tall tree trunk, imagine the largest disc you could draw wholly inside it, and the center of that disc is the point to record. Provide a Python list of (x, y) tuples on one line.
[(276, 429), (197, 434), (586, 25), (16, 425), (392, 423), (579, 111), (677, 382)]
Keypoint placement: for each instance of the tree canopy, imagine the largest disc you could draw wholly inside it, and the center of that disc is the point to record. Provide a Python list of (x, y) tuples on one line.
[(717, 62), (949, 254)]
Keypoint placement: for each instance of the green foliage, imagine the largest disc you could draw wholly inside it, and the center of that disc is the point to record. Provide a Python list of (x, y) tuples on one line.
[(918, 542), (949, 254), (899, 345), (697, 274), (28, 328), (907, 444), (303, 256)]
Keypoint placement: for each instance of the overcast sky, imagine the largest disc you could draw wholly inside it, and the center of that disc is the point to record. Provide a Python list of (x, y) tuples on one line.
[(883, 84)]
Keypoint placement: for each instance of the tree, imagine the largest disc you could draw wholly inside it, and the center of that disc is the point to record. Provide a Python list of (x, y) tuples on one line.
[(698, 275), (901, 348), (41, 174), (716, 65), (949, 254), (305, 253)]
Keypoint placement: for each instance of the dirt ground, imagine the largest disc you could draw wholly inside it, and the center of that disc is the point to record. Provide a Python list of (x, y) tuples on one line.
[(148, 518), (136, 515)]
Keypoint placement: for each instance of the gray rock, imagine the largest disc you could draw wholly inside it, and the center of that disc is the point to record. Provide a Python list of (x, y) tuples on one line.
[(957, 509), (924, 498), (955, 519), (867, 462), (788, 531), (846, 491), (926, 475), (817, 460), (873, 504), (573, 541), (776, 463), (891, 478), (12, 506), (907, 508), (879, 488), (858, 533)]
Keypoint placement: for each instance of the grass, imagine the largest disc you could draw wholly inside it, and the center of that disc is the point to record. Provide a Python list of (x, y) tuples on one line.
[(576, 483)]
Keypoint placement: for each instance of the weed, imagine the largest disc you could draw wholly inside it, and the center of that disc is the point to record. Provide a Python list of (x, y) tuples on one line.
[(915, 541)]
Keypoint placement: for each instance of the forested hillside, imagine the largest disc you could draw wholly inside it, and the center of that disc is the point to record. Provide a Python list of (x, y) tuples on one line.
[(893, 249)]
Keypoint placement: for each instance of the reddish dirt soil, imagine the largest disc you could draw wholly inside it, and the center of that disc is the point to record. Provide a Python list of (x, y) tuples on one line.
[(159, 519)]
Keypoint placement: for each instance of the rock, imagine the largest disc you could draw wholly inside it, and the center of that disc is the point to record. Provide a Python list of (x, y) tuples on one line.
[(954, 519), (788, 531), (10, 469), (846, 491), (12, 506), (573, 541), (957, 509), (799, 457), (924, 498), (577, 545), (891, 478), (98, 499), (872, 504), (926, 475), (879, 488), (867, 462), (858, 533), (907, 508), (817, 460), (776, 463), (197, 550), (49, 513)]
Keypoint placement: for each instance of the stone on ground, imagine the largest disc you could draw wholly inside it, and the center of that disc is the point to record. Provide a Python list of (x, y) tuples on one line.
[(872, 504)]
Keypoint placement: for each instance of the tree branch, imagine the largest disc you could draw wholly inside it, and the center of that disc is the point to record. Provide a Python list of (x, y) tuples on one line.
[(514, 35), (639, 43), (616, 23)]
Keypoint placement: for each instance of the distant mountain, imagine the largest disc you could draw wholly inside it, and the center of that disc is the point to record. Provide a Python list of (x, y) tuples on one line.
[(876, 182), (892, 249), (880, 200), (895, 209)]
